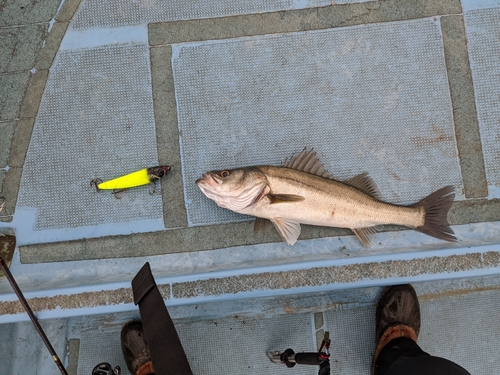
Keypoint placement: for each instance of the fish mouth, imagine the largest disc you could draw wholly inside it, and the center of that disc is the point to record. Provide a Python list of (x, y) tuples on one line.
[(208, 186), (209, 180)]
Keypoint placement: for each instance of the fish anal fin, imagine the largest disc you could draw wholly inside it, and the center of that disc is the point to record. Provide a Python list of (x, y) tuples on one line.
[(289, 230), (365, 235), (284, 198), (366, 184), (308, 162)]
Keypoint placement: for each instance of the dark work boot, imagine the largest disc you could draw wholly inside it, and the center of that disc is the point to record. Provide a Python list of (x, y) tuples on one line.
[(397, 315), (135, 349)]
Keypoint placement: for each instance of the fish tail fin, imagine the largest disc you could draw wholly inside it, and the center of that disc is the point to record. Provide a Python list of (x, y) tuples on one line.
[(436, 207)]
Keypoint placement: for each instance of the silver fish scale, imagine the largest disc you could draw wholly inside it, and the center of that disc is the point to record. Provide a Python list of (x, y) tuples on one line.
[(369, 98)]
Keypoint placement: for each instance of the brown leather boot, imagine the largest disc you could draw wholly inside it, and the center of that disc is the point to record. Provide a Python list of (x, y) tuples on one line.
[(397, 315), (135, 349)]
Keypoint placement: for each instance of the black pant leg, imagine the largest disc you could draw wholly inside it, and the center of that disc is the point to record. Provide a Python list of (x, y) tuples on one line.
[(402, 356)]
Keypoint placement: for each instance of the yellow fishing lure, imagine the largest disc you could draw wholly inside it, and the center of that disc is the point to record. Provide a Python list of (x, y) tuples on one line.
[(138, 178)]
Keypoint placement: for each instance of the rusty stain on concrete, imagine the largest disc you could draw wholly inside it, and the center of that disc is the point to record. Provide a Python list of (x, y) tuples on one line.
[(455, 292)]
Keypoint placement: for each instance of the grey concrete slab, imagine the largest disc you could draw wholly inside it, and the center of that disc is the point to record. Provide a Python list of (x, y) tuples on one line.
[(67, 10), (446, 332), (352, 334), (3, 174), (165, 113), (475, 211), (234, 234), (464, 108), (7, 131), (10, 189), (33, 94), (51, 45), (254, 101), (95, 119), (194, 239), (20, 142), (95, 13), (74, 301), (167, 135), (236, 336), (16, 140), (304, 278), (111, 353), (22, 12), (12, 89), (23, 47), (483, 32), (240, 344), (22, 344), (298, 20), (73, 355), (203, 278), (235, 345), (19, 46), (450, 329)]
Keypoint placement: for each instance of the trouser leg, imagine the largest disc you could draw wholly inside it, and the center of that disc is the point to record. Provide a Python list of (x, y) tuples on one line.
[(403, 356)]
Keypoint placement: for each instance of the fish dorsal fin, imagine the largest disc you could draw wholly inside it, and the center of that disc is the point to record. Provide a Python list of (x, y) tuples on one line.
[(307, 161), (365, 235), (365, 183), (289, 230)]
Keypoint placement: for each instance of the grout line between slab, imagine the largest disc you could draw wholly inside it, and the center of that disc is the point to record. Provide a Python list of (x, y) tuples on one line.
[(191, 239), (167, 135), (30, 104), (464, 110), (162, 33)]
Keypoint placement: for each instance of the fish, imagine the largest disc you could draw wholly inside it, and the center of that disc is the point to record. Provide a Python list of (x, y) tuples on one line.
[(303, 192)]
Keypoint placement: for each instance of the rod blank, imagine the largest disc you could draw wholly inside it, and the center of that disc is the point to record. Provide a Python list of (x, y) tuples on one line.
[(32, 316)]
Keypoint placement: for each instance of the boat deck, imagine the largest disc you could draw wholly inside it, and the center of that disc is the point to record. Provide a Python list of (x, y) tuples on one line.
[(406, 91)]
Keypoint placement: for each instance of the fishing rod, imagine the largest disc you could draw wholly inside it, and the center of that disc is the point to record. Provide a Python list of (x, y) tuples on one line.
[(32, 316)]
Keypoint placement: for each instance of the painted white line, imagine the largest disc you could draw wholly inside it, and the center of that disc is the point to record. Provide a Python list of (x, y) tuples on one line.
[(90, 38), (469, 5), (24, 222)]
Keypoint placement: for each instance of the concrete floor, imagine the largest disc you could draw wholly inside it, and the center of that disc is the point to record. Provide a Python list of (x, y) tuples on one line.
[(232, 337), (406, 91)]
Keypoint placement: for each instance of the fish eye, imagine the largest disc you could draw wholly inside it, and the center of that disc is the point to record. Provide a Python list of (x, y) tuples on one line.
[(224, 173)]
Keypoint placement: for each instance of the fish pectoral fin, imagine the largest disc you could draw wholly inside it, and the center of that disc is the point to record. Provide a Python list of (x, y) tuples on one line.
[(289, 230), (365, 235), (365, 183), (284, 198)]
